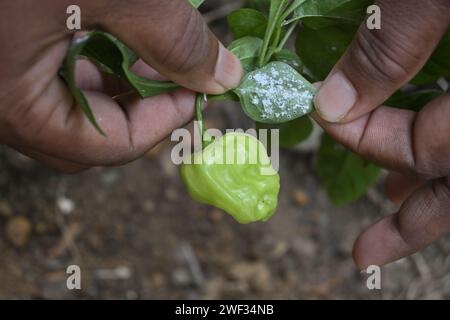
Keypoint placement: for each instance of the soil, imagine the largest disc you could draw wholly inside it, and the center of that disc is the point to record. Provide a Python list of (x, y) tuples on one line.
[(136, 234)]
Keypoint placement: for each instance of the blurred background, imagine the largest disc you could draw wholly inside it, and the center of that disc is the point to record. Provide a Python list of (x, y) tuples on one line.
[(136, 234)]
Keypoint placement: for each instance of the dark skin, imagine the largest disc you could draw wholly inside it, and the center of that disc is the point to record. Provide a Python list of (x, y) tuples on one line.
[(40, 119), (415, 146)]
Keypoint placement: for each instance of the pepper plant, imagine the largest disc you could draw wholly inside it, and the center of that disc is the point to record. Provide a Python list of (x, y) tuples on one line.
[(276, 91)]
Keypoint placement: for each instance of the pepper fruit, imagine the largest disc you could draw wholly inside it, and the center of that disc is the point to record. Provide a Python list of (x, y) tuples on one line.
[(246, 187)]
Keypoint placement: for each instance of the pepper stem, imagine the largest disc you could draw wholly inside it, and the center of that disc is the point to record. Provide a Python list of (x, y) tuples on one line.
[(199, 114), (199, 118)]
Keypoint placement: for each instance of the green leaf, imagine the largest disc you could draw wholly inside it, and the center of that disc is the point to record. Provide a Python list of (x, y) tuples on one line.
[(260, 5), (274, 30), (319, 50), (288, 57), (113, 57), (438, 65), (344, 175), (112, 53), (414, 100), (292, 132), (318, 14), (227, 96), (275, 93), (67, 72), (277, 7), (247, 50), (196, 3), (247, 23)]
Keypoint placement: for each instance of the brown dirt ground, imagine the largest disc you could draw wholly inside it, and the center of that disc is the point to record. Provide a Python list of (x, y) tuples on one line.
[(136, 234)]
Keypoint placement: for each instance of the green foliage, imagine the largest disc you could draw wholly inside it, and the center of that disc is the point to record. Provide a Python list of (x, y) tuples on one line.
[(438, 65), (344, 175), (318, 14), (275, 93), (288, 57), (113, 57), (291, 133), (260, 5), (319, 50), (413, 100), (247, 23), (247, 50)]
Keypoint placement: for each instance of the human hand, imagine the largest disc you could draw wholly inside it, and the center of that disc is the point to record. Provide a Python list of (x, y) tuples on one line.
[(416, 145), (39, 117)]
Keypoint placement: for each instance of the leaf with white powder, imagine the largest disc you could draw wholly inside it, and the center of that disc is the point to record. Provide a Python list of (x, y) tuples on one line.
[(275, 93)]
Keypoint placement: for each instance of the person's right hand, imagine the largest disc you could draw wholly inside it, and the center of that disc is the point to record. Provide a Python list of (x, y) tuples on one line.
[(416, 145), (38, 115)]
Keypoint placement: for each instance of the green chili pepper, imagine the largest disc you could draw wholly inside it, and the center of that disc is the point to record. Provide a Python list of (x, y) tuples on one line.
[(234, 173)]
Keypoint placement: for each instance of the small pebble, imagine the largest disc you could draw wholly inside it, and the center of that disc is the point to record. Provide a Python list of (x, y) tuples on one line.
[(301, 198), (18, 231), (5, 209), (65, 205)]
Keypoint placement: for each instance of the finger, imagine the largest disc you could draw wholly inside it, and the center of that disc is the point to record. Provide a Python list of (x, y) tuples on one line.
[(61, 129), (151, 120), (401, 140), (144, 70), (89, 78), (399, 187), (172, 37), (422, 219), (53, 162), (378, 62)]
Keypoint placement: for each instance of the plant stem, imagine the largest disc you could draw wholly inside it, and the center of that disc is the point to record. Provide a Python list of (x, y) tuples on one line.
[(265, 45), (274, 17), (294, 5), (279, 45), (286, 37), (272, 43), (199, 114)]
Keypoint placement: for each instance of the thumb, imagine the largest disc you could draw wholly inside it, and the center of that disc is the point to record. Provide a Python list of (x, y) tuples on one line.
[(171, 37), (379, 62)]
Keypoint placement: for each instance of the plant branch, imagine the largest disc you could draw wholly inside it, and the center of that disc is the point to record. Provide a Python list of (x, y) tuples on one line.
[(286, 36), (199, 114), (274, 16)]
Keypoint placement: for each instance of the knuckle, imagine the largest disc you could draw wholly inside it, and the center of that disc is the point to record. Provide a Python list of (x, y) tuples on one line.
[(192, 46), (430, 163), (425, 218), (441, 189), (425, 167), (382, 57), (406, 231), (441, 193)]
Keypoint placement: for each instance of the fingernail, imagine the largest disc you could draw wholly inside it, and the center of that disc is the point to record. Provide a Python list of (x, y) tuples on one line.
[(335, 98), (228, 71)]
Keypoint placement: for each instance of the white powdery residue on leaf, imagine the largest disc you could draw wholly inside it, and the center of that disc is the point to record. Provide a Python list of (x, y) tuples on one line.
[(275, 73), (261, 79), (279, 93), (255, 100)]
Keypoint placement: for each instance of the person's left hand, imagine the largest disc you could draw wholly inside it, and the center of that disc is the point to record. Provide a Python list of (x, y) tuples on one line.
[(38, 115)]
